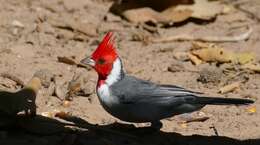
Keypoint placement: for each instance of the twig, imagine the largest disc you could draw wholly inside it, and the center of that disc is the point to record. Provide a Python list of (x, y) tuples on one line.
[(71, 61), (215, 130), (13, 78), (66, 60), (189, 37), (80, 123), (238, 5), (201, 119)]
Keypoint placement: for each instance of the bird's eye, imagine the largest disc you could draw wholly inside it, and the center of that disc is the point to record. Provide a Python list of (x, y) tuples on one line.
[(101, 61)]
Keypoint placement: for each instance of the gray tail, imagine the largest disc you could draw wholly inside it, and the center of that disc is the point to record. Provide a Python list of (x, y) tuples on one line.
[(222, 101)]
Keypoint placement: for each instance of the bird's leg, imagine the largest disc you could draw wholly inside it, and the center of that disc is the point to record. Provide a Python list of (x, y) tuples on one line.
[(157, 125)]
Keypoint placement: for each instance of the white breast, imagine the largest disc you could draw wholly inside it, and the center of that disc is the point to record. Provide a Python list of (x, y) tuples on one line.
[(105, 96)]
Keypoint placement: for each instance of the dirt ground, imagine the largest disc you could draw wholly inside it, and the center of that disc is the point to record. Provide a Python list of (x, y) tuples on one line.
[(33, 34)]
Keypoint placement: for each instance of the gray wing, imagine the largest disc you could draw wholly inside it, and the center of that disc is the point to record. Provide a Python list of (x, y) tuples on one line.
[(133, 90)]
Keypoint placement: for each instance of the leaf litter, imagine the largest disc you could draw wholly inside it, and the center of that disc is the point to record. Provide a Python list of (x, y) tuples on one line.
[(215, 53), (168, 12)]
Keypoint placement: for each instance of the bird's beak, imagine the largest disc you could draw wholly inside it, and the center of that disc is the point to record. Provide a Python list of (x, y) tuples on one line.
[(87, 61)]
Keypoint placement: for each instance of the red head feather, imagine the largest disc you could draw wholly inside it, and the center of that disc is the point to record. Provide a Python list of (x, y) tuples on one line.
[(105, 55), (106, 48)]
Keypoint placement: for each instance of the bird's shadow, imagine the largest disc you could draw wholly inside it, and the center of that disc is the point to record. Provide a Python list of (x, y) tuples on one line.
[(128, 134), (118, 133), (115, 133)]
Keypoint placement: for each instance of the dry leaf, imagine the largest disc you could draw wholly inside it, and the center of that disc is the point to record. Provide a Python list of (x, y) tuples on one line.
[(203, 9), (214, 55), (142, 15), (194, 59), (169, 11), (229, 88), (245, 57), (251, 109), (173, 15), (202, 45), (252, 67)]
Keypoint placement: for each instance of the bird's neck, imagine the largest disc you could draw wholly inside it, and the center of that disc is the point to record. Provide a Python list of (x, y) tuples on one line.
[(116, 74)]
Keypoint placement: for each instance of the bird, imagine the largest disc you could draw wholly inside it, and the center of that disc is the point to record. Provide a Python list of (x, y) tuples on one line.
[(135, 100)]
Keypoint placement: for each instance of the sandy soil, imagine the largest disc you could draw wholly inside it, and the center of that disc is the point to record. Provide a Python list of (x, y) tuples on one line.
[(34, 33)]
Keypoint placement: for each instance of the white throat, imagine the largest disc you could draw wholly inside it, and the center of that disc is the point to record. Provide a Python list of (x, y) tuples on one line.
[(116, 73)]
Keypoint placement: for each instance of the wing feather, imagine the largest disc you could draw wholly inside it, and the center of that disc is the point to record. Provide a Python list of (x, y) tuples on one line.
[(133, 90)]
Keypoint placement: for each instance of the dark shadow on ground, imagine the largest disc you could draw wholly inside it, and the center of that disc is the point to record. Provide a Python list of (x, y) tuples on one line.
[(46, 131)]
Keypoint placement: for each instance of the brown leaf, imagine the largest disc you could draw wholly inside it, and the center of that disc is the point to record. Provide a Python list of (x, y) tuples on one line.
[(173, 15), (230, 87), (168, 12), (252, 67), (141, 15), (214, 55), (244, 57), (194, 59), (203, 9), (221, 55), (251, 109)]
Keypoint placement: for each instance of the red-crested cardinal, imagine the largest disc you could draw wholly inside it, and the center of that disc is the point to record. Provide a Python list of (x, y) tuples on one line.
[(135, 100)]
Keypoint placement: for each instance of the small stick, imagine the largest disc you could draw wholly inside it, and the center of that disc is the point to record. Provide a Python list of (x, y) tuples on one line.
[(215, 130), (13, 78), (66, 60), (189, 37), (201, 119), (78, 122), (238, 5)]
